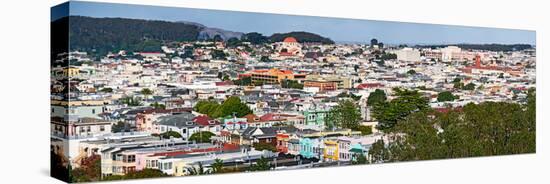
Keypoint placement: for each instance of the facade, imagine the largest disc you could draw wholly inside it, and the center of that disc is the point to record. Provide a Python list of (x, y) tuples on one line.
[(271, 76)]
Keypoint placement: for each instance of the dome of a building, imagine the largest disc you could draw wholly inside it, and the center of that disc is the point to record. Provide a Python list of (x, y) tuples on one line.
[(290, 40)]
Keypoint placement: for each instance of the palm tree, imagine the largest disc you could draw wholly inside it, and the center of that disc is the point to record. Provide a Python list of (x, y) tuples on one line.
[(197, 170), (146, 92), (217, 166)]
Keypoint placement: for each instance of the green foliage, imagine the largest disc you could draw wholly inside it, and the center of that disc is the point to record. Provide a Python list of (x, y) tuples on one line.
[(445, 96), (261, 165), (146, 91), (458, 85), (411, 72), (365, 130), (359, 159), (233, 105), (107, 90), (407, 102), (254, 38), (201, 137), (218, 54), (131, 101), (302, 37), (120, 127), (113, 34), (387, 56), (157, 105), (245, 81), (344, 115), (489, 128), (168, 134), (199, 170), (291, 84), (469, 86), (217, 166), (265, 59), (378, 152), (89, 170), (376, 97), (265, 146)]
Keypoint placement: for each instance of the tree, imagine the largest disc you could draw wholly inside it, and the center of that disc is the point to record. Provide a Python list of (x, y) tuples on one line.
[(107, 90), (469, 86), (291, 84), (131, 101), (411, 72), (89, 170), (445, 96), (201, 136), (199, 170), (458, 85), (485, 129), (157, 105), (169, 134), (365, 130), (378, 152), (373, 42), (344, 115), (218, 54), (359, 159), (217, 38), (245, 81), (265, 59), (120, 127), (146, 92), (376, 97), (233, 105), (217, 166), (261, 165), (225, 78), (254, 38), (407, 102)]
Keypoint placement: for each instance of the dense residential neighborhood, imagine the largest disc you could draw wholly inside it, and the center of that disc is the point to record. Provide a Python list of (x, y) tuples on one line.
[(248, 103)]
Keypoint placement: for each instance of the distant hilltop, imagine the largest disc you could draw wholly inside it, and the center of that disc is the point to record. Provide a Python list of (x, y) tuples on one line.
[(111, 34)]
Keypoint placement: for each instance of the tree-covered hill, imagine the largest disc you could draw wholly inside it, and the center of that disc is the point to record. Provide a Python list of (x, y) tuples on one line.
[(302, 37), (107, 34), (104, 35)]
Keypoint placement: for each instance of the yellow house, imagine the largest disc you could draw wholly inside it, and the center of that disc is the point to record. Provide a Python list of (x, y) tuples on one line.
[(331, 151), (71, 71)]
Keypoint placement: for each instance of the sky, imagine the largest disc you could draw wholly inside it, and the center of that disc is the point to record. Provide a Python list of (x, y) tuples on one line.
[(337, 29)]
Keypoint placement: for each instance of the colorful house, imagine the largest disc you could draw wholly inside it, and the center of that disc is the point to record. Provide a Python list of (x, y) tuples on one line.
[(331, 151)]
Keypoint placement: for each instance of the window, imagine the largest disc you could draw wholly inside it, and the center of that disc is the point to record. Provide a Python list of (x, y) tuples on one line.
[(131, 158), (53, 110), (102, 128), (93, 111)]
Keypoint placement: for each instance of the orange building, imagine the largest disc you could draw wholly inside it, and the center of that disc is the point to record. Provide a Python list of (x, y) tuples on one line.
[(271, 76)]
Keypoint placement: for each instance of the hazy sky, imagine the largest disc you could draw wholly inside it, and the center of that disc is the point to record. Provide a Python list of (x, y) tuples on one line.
[(335, 28)]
